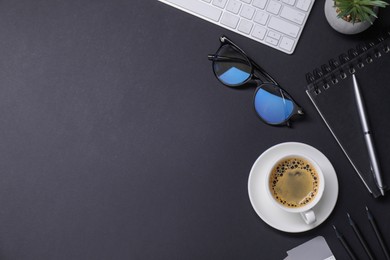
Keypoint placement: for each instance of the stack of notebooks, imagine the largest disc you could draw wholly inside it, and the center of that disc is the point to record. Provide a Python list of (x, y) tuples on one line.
[(330, 88)]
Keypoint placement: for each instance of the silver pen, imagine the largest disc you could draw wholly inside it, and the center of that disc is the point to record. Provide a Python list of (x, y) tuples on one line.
[(368, 136)]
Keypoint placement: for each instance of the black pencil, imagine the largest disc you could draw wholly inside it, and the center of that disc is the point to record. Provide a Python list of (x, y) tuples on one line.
[(345, 244), (360, 237), (378, 234)]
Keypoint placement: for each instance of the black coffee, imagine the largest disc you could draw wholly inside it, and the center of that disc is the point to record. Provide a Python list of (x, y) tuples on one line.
[(294, 182)]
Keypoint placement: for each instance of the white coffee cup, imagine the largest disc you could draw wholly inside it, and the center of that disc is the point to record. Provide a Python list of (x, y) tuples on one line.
[(305, 209)]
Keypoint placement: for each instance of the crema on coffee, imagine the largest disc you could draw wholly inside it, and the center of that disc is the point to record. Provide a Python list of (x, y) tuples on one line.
[(294, 182)]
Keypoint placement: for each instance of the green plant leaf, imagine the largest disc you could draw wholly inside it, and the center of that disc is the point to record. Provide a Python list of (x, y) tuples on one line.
[(369, 11), (359, 10), (364, 16)]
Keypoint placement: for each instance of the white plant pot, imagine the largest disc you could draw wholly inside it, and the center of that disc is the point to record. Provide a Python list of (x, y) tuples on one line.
[(341, 25)]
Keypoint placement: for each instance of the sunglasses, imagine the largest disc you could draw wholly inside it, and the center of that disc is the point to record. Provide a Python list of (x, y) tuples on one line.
[(233, 68)]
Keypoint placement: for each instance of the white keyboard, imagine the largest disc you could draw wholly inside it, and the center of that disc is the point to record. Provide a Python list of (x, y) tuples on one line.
[(276, 23)]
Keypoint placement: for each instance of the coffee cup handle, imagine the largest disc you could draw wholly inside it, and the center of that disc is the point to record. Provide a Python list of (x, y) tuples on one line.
[(309, 217)]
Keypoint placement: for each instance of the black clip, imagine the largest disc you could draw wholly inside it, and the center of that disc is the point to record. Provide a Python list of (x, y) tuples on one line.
[(334, 63), (371, 44), (352, 53), (361, 48), (317, 73), (309, 78), (343, 58), (326, 68)]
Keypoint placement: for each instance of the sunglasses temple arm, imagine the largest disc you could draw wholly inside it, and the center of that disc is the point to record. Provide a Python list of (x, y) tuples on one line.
[(223, 39), (214, 57), (263, 72)]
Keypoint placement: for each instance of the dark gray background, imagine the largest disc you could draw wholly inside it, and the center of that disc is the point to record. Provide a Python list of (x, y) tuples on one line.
[(117, 142)]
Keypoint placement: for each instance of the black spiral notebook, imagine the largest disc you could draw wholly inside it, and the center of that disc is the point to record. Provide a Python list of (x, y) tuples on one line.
[(330, 88)]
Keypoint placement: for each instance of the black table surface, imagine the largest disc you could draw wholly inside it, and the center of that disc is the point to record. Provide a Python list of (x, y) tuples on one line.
[(117, 141)]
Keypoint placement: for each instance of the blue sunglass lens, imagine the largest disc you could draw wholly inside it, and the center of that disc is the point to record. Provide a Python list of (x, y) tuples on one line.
[(273, 104), (231, 67), (234, 76)]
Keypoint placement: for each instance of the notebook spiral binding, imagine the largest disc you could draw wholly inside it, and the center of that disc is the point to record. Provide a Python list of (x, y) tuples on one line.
[(348, 63)]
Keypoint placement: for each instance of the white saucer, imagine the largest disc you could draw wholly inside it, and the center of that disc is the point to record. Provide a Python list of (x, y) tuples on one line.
[(273, 215)]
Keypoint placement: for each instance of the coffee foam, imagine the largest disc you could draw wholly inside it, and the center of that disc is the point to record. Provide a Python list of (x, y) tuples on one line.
[(294, 182)]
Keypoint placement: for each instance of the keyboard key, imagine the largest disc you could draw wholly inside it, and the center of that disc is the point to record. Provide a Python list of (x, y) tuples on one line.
[(207, 1), (274, 35), (220, 3), (259, 3), (259, 32), (284, 27), (303, 5), (233, 6), (202, 9), (247, 1), (261, 17), (287, 44), (247, 12), (230, 20), (245, 26), (272, 41), (274, 7), (289, 2), (292, 15)]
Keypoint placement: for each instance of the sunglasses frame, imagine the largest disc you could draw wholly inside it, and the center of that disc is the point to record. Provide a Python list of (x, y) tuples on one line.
[(254, 67)]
